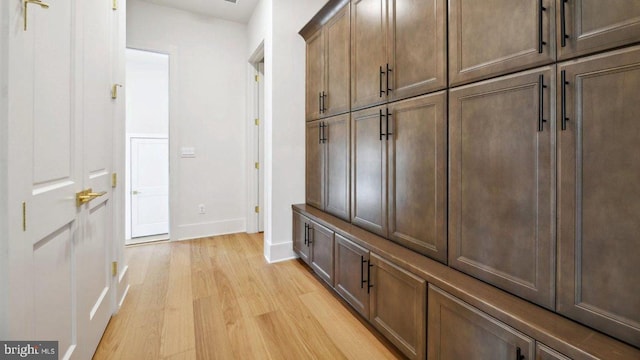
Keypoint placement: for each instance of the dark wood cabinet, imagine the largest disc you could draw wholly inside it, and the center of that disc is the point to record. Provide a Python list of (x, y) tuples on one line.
[(315, 164), (321, 256), (460, 331), (589, 26), (501, 184), (398, 306), (369, 170), (301, 237), (599, 192), (314, 244), (327, 165), (398, 50), (494, 37), (352, 274), (417, 176), (328, 65), (544, 352), (337, 163)]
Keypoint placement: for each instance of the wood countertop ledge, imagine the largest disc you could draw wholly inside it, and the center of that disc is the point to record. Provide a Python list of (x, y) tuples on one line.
[(566, 336)]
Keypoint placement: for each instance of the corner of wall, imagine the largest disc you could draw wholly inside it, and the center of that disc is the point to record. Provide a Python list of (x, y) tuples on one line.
[(274, 253)]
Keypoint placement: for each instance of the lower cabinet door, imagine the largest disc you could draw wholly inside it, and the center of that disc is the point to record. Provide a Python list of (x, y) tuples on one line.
[(351, 278), (398, 306), (300, 236), (321, 242), (460, 331)]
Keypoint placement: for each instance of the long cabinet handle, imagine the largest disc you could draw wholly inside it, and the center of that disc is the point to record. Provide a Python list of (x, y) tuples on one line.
[(563, 24), (306, 233), (541, 42), (362, 280), (324, 107), (519, 355), (382, 92), (380, 124), (369, 285), (319, 102), (387, 128), (563, 100), (541, 87), (387, 74)]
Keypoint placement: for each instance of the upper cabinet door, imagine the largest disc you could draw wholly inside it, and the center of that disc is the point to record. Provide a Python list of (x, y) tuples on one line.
[(599, 193), (502, 182), (315, 75), (337, 138), (368, 54), (494, 37), (337, 50), (588, 26), (418, 174), (314, 165), (417, 33), (369, 170)]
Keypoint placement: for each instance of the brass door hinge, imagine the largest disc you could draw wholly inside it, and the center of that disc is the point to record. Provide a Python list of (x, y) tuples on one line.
[(114, 91), (114, 5), (257, 209), (114, 180), (257, 165), (114, 268), (24, 216), (257, 122), (257, 78)]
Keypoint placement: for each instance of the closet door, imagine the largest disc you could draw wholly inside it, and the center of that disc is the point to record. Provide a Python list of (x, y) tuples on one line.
[(588, 26), (369, 170), (315, 156), (501, 185), (368, 52), (418, 174), (494, 37), (599, 193), (315, 75), (337, 183), (417, 33), (337, 49)]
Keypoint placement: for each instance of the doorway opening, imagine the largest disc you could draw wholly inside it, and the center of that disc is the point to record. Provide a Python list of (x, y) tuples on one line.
[(147, 147)]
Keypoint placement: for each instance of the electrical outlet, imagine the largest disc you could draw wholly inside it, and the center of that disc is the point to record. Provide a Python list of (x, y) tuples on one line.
[(201, 209)]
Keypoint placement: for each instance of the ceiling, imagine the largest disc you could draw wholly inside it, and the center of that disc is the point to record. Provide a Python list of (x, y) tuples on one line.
[(240, 11)]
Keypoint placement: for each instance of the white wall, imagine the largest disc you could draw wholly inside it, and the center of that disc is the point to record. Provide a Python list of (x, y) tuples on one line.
[(284, 113), (148, 84), (207, 112), (4, 141)]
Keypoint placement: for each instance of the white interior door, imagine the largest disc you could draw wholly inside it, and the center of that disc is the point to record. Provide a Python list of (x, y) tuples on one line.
[(149, 186), (60, 126)]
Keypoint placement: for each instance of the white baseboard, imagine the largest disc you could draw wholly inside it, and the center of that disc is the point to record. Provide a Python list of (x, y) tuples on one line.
[(279, 252), (200, 230)]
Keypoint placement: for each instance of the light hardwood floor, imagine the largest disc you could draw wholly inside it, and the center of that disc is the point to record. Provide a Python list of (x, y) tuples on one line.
[(217, 298)]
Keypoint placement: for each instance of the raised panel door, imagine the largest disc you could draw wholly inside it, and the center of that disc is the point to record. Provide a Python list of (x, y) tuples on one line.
[(417, 33), (494, 37), (369, 170), (460, 331), (300, 236), (337, 185), (337, 50), (599, 193), (314, 165), (502, 182), (315, 75), (399, 307), (418, 174), (321, 239), (368, 52), (594, 25), (351, 274)]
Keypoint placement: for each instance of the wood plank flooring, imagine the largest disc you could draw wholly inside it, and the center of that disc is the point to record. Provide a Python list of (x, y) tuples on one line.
[(217, 298)]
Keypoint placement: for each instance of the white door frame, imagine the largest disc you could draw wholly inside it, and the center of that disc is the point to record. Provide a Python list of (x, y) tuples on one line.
[(253, 182)]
